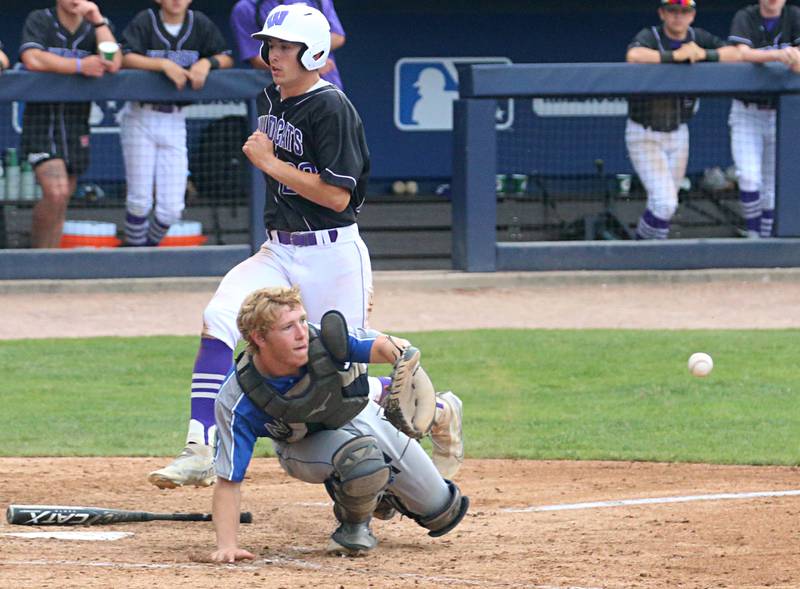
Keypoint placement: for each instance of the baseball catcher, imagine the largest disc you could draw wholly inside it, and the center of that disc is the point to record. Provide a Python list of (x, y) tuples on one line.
[(305, 387)]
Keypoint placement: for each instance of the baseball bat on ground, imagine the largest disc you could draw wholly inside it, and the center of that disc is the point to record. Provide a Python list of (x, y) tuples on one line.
[(67, 515)]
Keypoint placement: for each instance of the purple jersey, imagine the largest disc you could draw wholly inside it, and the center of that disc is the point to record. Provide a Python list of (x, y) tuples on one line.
[(245, 22)]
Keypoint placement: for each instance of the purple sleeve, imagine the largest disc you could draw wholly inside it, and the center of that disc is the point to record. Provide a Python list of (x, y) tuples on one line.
[(243, 24), (330, 13)]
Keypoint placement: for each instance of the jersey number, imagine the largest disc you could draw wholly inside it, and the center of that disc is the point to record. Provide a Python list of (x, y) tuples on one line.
[(284, 190)]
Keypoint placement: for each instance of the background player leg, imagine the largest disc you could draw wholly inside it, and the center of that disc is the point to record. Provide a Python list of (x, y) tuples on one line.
[(747, 148), (172, 168), (650, 162), (50, 212), (767, 200), (140, 154)]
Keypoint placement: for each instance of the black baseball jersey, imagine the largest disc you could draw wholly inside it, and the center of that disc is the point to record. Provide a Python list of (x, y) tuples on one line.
[(43, 30), (319, 132), (667, 113), (748, 29), (57, 129), (197, 38)]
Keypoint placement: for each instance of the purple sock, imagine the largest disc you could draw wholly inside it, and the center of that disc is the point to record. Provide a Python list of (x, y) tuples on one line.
[(767, 220), (652, 227), (751, 210), (156, 231), (135, 229), (214, 359)]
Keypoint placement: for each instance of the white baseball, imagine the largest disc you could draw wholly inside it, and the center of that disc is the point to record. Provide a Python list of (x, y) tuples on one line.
[(412, 187), (700, 364), (398, 187)]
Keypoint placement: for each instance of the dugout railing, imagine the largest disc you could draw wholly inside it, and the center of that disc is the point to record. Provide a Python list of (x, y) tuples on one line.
[(130, 85), (476, 247)]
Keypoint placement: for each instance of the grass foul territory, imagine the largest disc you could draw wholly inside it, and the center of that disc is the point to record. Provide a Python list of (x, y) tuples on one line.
[(534, 394)]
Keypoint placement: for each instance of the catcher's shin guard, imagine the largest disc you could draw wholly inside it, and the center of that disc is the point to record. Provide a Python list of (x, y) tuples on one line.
[(439, 523), (360, 474), (443, 522)]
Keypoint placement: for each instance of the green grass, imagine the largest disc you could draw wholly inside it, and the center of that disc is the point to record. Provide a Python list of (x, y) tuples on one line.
[(598, 394)]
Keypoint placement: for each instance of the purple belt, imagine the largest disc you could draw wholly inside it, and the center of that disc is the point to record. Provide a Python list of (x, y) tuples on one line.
[(161, 107), (302, 239)]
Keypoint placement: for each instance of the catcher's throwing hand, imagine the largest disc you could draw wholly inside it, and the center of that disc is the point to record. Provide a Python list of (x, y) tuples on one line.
[(231, 555)]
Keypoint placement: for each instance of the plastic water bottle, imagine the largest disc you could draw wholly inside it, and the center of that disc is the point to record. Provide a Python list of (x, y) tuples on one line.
[(12, 174), (27, 189)]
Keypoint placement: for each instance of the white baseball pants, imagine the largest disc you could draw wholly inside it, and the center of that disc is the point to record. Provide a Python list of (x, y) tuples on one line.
[(154, 147), (659, 159), (753, 150), (331, 275)]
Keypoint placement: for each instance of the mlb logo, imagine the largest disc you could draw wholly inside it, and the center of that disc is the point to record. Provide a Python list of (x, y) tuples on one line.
[(426, 87)]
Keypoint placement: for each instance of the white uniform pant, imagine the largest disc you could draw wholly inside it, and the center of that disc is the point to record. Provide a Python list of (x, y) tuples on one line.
[(154, 147), (659, 159), (753, 149), (331, 275), (416, 481)]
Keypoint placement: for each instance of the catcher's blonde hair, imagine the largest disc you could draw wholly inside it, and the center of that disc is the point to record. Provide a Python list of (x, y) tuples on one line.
[(260, 310)]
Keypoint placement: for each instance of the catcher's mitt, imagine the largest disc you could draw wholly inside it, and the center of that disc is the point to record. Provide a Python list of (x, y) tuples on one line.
[(411, 401)]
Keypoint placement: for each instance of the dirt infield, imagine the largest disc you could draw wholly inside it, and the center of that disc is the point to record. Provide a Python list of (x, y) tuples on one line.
[(551, 525)]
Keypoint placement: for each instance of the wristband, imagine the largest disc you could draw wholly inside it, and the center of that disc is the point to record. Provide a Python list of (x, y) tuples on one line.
[(77, 65), (214, 62), (666, 57), (712, 55)]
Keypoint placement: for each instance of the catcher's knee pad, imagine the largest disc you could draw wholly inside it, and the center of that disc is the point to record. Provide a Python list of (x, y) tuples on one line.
[(439, 523), (360, 474)]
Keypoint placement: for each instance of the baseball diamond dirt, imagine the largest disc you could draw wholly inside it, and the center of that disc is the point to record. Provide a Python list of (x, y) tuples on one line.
[(553, 525)]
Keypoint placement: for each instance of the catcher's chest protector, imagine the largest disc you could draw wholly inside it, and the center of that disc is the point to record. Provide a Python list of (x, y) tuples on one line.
[(318, 398)]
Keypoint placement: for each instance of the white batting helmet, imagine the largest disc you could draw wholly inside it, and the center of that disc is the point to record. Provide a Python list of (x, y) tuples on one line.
[(299, 23)]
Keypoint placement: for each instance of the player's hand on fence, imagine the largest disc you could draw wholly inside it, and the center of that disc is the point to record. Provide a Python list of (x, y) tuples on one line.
[(92, 66), (174, 72), (231, 555), (792, 58), (690, 52), (198, 73), (259, 150)]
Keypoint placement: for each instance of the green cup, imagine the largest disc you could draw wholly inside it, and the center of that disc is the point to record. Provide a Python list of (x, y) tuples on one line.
[(517, 184), (108, 49)]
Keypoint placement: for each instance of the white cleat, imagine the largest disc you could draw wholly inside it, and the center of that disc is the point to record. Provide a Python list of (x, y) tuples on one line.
[(447, 435), (193, 466)]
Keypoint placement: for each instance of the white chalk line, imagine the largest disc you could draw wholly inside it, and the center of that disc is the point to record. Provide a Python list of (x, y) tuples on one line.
[(82, 536), (278, 560), (652, 501)]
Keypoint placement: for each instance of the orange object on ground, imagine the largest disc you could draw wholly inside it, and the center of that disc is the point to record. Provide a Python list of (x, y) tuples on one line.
[(71, 241), (182, 240)]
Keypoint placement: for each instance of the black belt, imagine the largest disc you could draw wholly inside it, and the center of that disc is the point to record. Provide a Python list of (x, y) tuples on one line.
[(760, 105), (658, 128), (161, 107), (301, 239)]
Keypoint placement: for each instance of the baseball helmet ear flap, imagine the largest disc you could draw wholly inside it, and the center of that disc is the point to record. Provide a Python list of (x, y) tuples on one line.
[(299, 23)]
